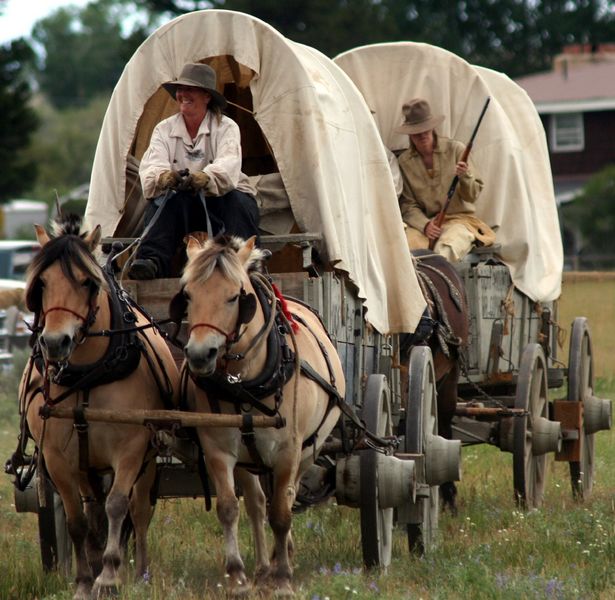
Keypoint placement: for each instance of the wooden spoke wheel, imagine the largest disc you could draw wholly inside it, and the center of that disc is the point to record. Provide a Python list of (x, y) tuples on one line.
[(581, 385), (530, 470), (421, 420), (376, 522), (55, 542)]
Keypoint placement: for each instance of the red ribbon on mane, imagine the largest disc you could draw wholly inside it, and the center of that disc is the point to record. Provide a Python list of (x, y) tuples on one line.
[(284, 307)]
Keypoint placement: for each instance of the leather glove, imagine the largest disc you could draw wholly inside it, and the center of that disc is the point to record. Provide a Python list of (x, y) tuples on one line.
[(198, 180), (168, 179)]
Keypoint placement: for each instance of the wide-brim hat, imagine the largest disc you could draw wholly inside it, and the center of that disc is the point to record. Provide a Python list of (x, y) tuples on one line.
[(418, 117), (197, 75)]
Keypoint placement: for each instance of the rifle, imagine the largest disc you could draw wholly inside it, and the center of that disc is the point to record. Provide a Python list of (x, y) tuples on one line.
[(464, 157)]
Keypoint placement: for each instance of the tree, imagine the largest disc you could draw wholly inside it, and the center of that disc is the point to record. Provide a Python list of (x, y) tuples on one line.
[(593, 213), (85, 51), (18, 120), (65, 148), (514, 36)]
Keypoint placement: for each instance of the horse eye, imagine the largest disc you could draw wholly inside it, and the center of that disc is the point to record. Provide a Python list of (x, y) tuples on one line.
[(233, 299), (86, 283)]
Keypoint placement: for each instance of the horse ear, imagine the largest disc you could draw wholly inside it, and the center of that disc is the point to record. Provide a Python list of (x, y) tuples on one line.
[(244, 252), (192, 246), (93, 238), (41, 234)]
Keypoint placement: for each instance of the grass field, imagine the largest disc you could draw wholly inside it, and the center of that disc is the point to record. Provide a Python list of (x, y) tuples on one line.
[(490, 550)]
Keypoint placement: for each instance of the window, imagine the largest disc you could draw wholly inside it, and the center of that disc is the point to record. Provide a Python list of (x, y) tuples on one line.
[(567, 133)]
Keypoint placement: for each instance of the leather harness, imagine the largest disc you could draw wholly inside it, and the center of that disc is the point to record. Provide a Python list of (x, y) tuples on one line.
[(281, 364)]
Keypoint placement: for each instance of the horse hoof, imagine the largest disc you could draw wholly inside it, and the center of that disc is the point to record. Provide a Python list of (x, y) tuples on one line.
[(283, 589), (241, 591), (105, 591), (84, 589), (82, 594)]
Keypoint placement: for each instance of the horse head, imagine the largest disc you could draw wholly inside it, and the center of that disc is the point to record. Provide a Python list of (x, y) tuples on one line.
[(63, 286), (219, 298)]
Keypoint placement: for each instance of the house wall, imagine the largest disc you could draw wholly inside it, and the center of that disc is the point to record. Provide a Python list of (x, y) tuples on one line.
[(599, 146)]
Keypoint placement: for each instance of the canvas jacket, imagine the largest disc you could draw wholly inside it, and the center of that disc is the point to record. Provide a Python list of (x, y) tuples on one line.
[(423, 196), (216, 150)]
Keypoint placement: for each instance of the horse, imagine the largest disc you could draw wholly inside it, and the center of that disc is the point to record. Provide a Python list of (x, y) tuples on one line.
[(445, 329), (92, 348), (250, 351)]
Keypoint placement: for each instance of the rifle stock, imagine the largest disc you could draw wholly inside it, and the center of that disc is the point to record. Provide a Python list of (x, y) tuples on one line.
[(439, 219)]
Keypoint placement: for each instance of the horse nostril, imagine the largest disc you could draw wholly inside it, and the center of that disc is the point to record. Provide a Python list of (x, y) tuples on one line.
[(65, 342), (212, 353)]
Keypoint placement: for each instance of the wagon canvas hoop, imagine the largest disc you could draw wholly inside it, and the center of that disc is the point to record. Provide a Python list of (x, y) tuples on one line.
[(510, 151), (326, 148)]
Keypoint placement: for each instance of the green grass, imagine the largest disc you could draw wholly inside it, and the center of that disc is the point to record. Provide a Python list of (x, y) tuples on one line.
[(490, 550)]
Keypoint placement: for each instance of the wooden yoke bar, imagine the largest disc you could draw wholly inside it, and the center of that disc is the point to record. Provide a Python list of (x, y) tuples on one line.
[(165, 418)]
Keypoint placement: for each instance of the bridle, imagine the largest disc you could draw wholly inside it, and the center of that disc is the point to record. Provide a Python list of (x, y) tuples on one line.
[(245, 313), (86, 321)]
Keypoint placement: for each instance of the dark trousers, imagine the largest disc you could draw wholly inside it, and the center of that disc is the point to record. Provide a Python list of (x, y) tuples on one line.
[(235, 213)]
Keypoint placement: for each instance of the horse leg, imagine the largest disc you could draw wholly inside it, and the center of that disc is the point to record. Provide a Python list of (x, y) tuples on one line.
[(76, 523), (256, 508), (116, 507), (447, 402), (280, 519), (220, 467), (141, 511), (97, 533)]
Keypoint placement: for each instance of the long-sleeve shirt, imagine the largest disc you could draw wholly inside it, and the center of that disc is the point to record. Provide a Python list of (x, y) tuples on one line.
[(424, 192), (216, 150)]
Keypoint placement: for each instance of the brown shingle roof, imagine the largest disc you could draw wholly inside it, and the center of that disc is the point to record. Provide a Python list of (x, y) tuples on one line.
[(572, 82)]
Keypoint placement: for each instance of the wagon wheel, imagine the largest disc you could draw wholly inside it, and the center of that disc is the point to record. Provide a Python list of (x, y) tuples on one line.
[(580, 385), (422, 419), (376, 522), (55, 541), (530, 470)]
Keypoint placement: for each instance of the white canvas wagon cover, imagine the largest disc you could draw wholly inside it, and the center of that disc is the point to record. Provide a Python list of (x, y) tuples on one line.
[(510, 151), (316, 123)]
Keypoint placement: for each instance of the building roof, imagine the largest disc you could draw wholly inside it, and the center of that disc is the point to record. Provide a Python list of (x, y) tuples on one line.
[(573, 85)]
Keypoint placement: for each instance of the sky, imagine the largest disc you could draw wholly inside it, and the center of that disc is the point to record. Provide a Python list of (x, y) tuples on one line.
[(18, 16)]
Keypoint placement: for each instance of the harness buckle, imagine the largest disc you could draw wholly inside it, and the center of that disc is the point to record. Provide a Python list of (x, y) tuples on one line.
[(233, 379)]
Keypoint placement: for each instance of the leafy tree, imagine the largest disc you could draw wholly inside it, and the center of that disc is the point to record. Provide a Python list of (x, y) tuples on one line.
[(593, 213), (514, 36), (327, 25), (18, 120), (64, 150), (85, 51)]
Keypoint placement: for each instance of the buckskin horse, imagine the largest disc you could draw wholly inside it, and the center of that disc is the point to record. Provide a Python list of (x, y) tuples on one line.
[(445, 329), (251, 352), (92, 348)]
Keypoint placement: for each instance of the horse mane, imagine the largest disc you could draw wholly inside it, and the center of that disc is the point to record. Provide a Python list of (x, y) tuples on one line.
[(221, 253), (66, 245)]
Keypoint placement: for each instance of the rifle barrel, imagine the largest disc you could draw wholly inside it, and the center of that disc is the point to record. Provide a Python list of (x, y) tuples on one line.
[(451, 190)]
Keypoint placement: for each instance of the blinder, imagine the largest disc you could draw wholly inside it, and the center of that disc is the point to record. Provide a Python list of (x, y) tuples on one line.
[(178, 307), (247, 307), (34, 297)]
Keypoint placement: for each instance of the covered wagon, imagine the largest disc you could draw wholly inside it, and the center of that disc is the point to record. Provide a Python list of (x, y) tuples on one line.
[(512, 287)]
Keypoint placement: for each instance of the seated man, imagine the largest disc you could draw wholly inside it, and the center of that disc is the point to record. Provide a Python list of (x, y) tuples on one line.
[(428, 168), (196, 152)]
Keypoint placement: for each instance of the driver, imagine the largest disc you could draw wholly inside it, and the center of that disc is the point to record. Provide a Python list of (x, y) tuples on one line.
[(197, 153)]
